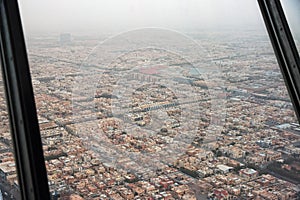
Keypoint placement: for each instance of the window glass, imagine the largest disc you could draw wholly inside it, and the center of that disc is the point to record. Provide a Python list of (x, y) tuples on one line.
[(9, 186), (160, 100), (292, 12)]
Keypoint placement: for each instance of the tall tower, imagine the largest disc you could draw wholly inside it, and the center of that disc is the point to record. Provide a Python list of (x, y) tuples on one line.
[(65, 38)]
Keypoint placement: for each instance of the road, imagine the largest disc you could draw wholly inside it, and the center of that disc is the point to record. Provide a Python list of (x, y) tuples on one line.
[(8, 190)]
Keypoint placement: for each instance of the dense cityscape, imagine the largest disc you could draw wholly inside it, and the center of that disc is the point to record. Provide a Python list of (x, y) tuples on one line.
[(152, 124)]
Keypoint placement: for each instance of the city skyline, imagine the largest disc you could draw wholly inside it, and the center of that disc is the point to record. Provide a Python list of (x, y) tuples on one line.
[(248, 158)]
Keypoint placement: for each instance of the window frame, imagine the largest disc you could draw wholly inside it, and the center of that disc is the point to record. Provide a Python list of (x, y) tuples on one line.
[(284, 48), (29, 158)]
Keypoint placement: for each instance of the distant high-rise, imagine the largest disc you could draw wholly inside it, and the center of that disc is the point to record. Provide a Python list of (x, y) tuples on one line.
[(65, 38)]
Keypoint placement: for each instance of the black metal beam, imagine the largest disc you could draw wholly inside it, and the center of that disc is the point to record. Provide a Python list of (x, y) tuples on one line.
[(22, 110), (284, 48)]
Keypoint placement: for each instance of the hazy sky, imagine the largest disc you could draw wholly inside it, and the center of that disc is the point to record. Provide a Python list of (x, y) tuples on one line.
[(85, 16)]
